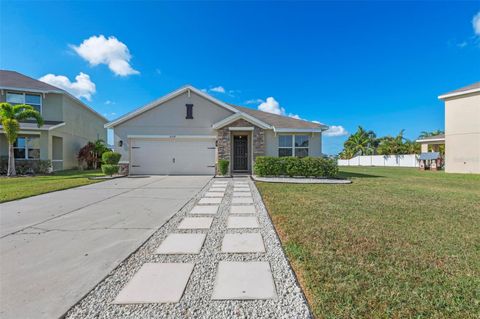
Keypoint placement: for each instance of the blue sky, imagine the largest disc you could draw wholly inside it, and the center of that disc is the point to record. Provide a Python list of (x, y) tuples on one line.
[(376, 64)]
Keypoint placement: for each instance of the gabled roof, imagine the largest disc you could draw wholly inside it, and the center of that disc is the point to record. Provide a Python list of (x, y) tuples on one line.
[(17, 81), (12, 80), (472, 88), (259, 118), (185, 89), (240, 115)]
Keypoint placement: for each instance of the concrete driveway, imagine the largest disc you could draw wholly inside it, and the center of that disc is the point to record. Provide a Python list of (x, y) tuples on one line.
[(56, 247)]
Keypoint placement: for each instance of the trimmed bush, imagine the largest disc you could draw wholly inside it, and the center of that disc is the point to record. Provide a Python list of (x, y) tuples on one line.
[(294, 166), (111, 158), (26, 167), (110, 169), (223, 166)]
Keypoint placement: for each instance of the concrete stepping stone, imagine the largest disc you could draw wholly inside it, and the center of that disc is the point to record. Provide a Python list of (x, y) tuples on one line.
[(210, 200), (242, 209), (244, 281), (217, 189), (242, 222), (205, 210), (214, 194), (242, 200), (243, 243), (220, 183), (181, 244), (156, 283), (235, 190), (240, 184), (195, 223), (242, 194)]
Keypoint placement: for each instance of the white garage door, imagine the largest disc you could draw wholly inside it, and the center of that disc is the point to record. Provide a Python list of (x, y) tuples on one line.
[(173, 156)]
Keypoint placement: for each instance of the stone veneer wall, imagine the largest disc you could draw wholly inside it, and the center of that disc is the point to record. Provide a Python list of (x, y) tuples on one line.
[(224, 140)]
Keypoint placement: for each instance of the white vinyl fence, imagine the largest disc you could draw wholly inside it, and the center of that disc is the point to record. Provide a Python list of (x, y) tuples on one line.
[(408, 160)]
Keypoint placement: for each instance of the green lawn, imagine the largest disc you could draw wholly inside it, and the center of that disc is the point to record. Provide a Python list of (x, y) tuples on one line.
[(21, 187), (397, 243)]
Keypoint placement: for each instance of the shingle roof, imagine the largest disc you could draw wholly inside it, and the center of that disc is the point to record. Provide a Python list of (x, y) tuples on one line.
[(12, 79), (461, 90), (279, 121)]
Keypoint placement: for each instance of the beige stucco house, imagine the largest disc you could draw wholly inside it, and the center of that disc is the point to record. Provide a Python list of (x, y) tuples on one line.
[(69, 123), (462, 130), (188, 131)]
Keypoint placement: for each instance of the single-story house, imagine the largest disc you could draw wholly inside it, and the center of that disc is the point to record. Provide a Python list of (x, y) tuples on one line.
[(188, 131), (69, 123), (462, 130)]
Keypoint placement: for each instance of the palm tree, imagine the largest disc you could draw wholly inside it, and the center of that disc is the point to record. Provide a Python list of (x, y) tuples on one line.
[(425, 134), (360, 143), (10, 116)]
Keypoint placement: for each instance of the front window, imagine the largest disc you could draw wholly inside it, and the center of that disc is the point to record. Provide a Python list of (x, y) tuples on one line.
[(34, 100), (293, 145), (27, 148)]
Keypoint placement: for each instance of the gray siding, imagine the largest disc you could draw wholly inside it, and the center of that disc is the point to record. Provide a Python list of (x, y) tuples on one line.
[(169, 119), (81, 126)]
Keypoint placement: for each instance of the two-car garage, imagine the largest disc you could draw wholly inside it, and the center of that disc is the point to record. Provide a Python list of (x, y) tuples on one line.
[(182, 155)]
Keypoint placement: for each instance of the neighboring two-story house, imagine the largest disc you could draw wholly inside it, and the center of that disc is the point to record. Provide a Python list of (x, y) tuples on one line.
[(462, 129), (69, 123)]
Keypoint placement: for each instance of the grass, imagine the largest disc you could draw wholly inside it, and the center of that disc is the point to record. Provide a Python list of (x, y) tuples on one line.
[(12, 188), (396, 243)]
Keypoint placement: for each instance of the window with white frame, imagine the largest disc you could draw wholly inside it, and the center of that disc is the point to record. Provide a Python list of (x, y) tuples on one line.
[(293, 145), (34, 100), (27, 147)]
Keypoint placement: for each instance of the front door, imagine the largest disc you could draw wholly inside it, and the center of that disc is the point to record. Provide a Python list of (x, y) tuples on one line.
[(240, 153)]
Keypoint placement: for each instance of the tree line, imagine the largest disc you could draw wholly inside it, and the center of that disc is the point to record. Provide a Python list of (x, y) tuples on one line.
[(366, 142)]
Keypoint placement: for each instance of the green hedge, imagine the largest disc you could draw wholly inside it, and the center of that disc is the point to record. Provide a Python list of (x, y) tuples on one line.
[(223, 166), (111, 158), (294, 166), (110, 169), (25, 167)]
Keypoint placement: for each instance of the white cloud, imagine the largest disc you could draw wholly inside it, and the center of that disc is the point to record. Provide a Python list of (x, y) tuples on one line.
[(270, 105), (254, 101), (109, 102), (82, 87), (335, 130), (218, 89), (476, 24), (100, 50)]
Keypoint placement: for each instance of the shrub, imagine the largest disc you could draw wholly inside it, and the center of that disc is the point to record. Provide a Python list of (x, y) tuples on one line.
[(268, 166), (223, 166), (25, 167), (90, 154), (111, 158), (110, 169), (294, 166)]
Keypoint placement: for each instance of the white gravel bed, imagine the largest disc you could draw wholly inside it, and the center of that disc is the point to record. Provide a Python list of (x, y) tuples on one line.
[(196, 301), (300, 180)]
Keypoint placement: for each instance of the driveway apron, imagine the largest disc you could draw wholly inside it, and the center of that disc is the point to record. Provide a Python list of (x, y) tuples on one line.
[(56, 247)]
